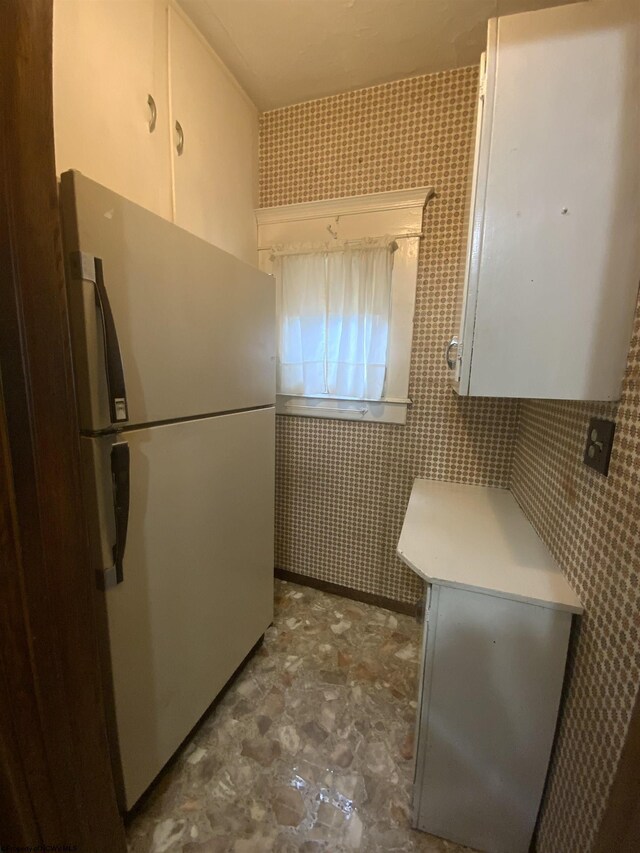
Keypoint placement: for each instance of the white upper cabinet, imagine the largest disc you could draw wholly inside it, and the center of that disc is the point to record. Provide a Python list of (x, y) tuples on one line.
[(554, 249), (108, 58), (215, 145)]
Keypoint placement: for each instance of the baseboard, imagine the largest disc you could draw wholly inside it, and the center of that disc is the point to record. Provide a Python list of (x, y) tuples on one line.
[(346, 592)]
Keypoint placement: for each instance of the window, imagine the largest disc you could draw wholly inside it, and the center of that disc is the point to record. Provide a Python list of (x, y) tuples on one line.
[(334, 306), (345, 276)]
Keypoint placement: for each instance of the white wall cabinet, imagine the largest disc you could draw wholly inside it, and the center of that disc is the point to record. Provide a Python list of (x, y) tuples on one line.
[(215, 145), (496, 635), (108, 57), (554, 256)]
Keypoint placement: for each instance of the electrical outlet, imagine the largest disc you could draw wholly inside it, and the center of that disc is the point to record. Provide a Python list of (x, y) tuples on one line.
[(599, 443)]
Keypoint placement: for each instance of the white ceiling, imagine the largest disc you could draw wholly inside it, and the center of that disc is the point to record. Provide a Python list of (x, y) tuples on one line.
[(287, 51)]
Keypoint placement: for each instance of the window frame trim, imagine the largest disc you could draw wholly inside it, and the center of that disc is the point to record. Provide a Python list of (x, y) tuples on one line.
[(398, 214)]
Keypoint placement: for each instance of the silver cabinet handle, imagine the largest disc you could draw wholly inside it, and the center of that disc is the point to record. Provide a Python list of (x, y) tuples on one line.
[(180, 142), (153, 113), (453, 344)]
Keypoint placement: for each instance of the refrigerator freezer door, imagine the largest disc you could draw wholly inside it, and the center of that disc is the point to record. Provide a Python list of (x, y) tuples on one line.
[(195, 326), (197, 588)]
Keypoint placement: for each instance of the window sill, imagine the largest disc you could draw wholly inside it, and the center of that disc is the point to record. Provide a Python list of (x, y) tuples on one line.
[(389, 410)]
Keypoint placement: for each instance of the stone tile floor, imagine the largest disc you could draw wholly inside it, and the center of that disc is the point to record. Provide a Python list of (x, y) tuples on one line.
[(310, 749)]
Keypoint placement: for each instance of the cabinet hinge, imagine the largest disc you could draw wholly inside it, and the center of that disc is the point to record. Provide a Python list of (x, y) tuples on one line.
[(483, 87), (482, 83)]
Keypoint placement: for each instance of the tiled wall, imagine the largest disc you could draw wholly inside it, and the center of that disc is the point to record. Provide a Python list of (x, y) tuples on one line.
[(592, 526), (343, 487)]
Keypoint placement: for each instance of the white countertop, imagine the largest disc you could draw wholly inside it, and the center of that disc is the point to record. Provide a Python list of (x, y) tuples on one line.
[(478, 538)]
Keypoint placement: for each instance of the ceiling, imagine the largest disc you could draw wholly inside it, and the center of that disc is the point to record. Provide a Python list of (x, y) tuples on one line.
[(287, 51)]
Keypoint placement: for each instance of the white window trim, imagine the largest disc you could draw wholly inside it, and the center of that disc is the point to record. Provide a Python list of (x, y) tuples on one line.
[(398, 214)]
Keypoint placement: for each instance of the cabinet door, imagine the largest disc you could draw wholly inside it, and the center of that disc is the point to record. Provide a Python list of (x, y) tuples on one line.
[(555, 257), (493, 674), (215, 145), (108, 57)]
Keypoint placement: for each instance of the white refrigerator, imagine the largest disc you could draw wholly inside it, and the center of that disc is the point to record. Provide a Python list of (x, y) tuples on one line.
[(173, 345)]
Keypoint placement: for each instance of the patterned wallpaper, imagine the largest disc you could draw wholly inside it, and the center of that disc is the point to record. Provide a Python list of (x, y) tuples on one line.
[(342, 487), (592, 526)]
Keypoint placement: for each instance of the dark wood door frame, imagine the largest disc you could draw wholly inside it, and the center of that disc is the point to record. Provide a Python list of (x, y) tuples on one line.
[(55, 775)]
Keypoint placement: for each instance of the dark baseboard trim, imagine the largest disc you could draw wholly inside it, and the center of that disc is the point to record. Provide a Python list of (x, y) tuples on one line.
[(346, 592)]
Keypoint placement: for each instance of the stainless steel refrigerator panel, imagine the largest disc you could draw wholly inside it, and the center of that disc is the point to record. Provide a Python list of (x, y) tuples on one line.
[(197, 586), (194, 326)]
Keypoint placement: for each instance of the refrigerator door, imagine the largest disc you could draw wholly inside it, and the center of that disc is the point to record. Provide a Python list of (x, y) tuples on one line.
[(193, 327), (197, 573)]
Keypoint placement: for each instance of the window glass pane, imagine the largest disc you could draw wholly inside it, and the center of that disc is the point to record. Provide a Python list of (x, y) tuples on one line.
[(334, 310), (302, 333), (358, 329)]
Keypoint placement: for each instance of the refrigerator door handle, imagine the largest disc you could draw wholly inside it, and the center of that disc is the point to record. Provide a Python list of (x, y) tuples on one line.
[(86, 267), (120, 469), (112, 357)]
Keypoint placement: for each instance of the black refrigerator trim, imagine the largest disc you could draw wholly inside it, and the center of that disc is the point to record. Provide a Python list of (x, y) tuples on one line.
[(85, 267), (120, 469)]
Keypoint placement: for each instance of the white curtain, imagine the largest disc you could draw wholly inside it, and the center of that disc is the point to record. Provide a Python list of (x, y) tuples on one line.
[(334, 308)]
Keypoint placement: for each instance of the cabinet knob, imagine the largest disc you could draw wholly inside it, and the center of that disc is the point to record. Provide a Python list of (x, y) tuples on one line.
[(180, 142), (153, 113), (451, 361)]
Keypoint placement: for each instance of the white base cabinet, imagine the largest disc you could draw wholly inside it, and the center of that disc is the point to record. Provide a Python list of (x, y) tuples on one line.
[(496, 636), (491, 686), (553, 256)]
